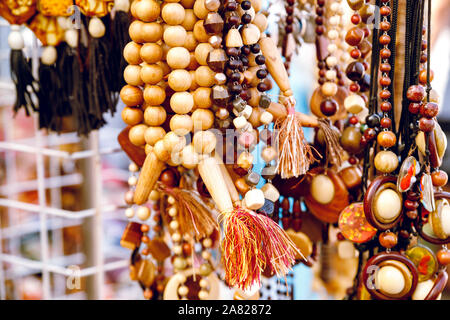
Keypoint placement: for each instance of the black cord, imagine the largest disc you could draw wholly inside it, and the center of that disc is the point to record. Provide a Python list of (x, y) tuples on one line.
[(393, 47)]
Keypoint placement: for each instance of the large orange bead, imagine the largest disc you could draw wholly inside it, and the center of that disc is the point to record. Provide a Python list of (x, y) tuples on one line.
[(439, 178), (443, 257), (386, 139)]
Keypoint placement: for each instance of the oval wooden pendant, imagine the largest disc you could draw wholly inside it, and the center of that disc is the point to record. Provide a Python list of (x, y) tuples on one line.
[(354, 225), (427, 230), (328, 212), (171, 290), (383, 203), (317, 98), (390, 276)]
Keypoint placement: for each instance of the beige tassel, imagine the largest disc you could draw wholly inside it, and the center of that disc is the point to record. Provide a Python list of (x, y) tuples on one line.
[(335, 152)]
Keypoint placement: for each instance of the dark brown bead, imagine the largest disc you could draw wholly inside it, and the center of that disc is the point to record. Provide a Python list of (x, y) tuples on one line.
[(429, 109), (239, 170), (321, 3), (322, 72), (388, 239), (364, 83), (415, 93), (385, 53), (385, 67), (231, 6), (424, 45), (246, 18), (233, 20), (354, 36), (235, 88), (321, 81), (386, 122), (319, 20), (169, 178), (290, 19), (426, 125), (414, 107), (328, 107), (246, 5), (262, 87), (384, 39), (220, 96), (245, 95), (320, 30), (290, 10), (412, 195), (439, 178), (355, 71), (260, 59), (232, 52), (213, 23), (261, 73), (365, 47), (217, 60), (423, 57)]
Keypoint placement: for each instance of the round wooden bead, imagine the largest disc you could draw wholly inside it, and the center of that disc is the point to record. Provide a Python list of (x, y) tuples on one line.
[(131, 96), (136, 135), (188, 4), (354, 103), (135, 31), (386, 139), (204, 76), (415, 93), (181, 124), (173, 13), (179, 80), (261, 22), (194, 85), (178, 58), (329, 89), (322, 189), (132, 116), (200, 9), (201, 53), (147, 10), (203, 119), (175, 36), (190, 43), (154, 95), (390, 280), (388, 239), (189, 20), (202, 97), (132, 75), (189, 158), (204, 142), (160, 151), (131, 53), (182, 102), (151, 73), (151, 52), (443, 257), (153, 135), (429, 110), (439, 178), (155, 116), (354, 36), (173, 142), (386, 161), (200, 32), (351, 139), (151, 32), (254, 199)]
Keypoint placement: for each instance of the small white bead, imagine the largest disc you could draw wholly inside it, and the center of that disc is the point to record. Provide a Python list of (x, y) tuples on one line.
[(331, 61), (133, 167), (15, 38), (96, 28), (335, 7), (266, 117), (171, 200), (129, 213), (332, 48), (330, 75), (334, 20), (122, 5), (182, 277), (132, 181), (143, 213), (173, 211), (207, 243), (49, 55), (239, 122), (203, 295), (247, 112), (177, 250), (176, 237), (183, 290), (174, 225), (206, 254), (332, 34), (254, 199), (203, 283)]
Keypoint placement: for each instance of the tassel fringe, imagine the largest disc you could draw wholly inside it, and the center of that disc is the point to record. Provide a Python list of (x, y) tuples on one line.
[(335, 152)]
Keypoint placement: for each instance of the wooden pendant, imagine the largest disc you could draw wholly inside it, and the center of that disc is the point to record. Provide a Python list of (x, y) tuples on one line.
[(426, 231), (328, 212), (136, 154), (150, 172), (171, 290)]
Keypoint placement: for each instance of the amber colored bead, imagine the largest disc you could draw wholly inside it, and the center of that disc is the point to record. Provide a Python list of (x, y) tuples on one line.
[(385, 25), (404, 234), (423, 76), (423, 57), (414, 107), (157, 228), (385, 94), (385, 67), (385, 81), (354, 87), (385, 53), (187, 249), (353, 120), (388, 239), (385, 122), (168, 178), (354, 36), (385, 106), (386, 139), (443, 257), (355, 53), (384, 39), (145, 252), (356, 18), (439, 178), (429, 109), (426, 125), (148, 294), (415, 93), (145, 228), (412, 214), (385, 11), (145, 239), (370, 133)]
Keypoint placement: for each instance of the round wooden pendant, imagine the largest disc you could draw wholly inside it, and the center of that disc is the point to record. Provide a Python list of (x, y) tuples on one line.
[(383, 203), (354, 225), (436, 229), (302, 242), (390, 276), (171, 290), (327, 212), (424, 260), (317, 98)]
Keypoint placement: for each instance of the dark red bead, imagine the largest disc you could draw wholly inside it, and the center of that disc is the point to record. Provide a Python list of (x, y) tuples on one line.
[(262, 87), (385, 94), (429, 109), (385, 11), (290, 10), (319, 20), (412, 214), (415, 93), (289, 28), (353, 160), (385, 53), (414, 107), (423, 57), (239, 171), (411, 205), (353, 120), (356, 18), (354, 87), (328, 107), (385, 25), (385, 81), (340, 236), (355, 53), (320, 30), (370, 133), (386, 122), (385, 106), (385, 67), (384, 39), (426, 125)]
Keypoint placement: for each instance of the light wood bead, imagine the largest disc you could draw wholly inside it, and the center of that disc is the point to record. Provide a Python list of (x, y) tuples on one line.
[(257, 5), (386, 161), (269, 154), (173, 142), (193, 64), (132, 76), (250, 34), (96, 29), (131, 96), (132, 116), (151, 73), (261, 22), (132, 53), (175, 159), (165, 49), (189, 20), (240, 122), (173, 13), (165, 67), (148, 148), (203, 119), (151, 52), (160, 151), (254, 118), (175, 36), (322, 189), (135, 31), (202, 97), (266, 117), (194, 85), (189, 158), (204, 76), (204, 142), (233, 39), (137, 135), (133, 8), (182, 102), (190, 43), (179, 80), (270, 192), (181, 124), (147, 10), (154, 95), (200, 32), (200, 10), (354, 103), (155, 116), (254, 199), (178, 58), (201, 53), (153, 135), (255, 96), (151, 32), (188, 4), (329, 89), (245, 160)]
